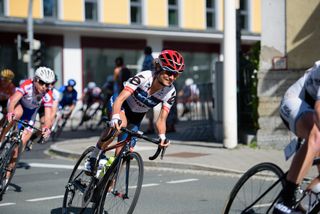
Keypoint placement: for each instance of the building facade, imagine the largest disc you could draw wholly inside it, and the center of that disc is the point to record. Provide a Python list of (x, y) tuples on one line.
[(289, 45), (81, 38)]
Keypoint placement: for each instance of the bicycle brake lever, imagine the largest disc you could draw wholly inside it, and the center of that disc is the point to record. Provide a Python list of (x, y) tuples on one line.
[(163, 152)]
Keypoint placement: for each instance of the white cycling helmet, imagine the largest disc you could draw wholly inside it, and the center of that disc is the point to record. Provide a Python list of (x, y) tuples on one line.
[(45, 74), (91, 85)]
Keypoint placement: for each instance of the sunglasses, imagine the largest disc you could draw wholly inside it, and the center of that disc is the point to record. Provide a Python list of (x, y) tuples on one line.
[(6, 79), (44, 83), (171, 73)]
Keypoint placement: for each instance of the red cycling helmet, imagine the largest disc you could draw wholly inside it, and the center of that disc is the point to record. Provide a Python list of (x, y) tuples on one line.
[(171, 60)]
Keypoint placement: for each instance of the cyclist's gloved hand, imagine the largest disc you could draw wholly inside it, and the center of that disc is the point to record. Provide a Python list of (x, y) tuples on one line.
[(10, 116), (46, 132), (115, 121), (164, 142)]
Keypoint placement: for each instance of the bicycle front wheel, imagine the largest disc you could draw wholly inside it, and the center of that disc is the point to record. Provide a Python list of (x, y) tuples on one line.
[(123, 188), (79, 188), (8, 169), (257, 190)]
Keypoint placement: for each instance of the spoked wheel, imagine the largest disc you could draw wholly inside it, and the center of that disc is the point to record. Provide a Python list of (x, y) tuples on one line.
[(76, 120), (122, 190), (257, 190), (79, 189), (7, 151), (94, 115)]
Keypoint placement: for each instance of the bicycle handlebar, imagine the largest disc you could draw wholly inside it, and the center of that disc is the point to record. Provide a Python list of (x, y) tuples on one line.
[(140, 134), (25, 124)]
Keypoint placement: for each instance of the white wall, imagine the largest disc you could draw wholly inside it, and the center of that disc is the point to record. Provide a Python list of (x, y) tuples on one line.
[(273, 32), (72, 60)]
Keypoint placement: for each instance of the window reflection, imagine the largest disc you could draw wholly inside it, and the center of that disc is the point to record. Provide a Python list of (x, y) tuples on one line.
[(91, 13), (50, 8), (1, 7), (173, 13), (135, 11)]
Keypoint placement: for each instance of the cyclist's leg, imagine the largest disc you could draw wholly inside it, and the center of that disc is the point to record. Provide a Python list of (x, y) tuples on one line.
[(18, 111), (300, 117)]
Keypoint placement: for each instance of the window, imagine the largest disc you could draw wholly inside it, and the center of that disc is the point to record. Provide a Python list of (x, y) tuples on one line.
[(1, 7), (91, 12), (50, 8), (173, 13), (244, 15), (135, 11), (211, 14)]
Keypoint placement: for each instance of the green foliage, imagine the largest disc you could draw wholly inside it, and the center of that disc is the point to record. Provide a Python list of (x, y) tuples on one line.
[(248, 82)]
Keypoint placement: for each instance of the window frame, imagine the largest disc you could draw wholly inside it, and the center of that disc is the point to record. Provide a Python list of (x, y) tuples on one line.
[(96, 15), (176, 8), (137, 5), (245, 15), (55, 13), (213, 12)]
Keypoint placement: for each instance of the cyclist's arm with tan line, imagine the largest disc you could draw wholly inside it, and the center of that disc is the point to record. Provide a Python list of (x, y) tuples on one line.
[(317, 113), (161, 125), (13, 101), (116, 108), (106, 136)]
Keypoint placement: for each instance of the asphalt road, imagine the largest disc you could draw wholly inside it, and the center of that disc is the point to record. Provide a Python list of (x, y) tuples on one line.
[(38, 187)]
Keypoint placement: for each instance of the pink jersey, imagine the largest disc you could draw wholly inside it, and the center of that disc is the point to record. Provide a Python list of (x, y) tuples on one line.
[(30, 99)]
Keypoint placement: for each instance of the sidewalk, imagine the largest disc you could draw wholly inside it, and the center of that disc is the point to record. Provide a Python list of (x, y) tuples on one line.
[(200, 152)]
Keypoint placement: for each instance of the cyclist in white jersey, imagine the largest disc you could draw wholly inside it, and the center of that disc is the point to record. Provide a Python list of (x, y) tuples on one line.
[(142, 92), (300, 111), (27, 99)]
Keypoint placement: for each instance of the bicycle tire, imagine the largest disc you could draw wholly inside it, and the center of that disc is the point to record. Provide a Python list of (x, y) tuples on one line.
[(116, 200), (76, 119), (93, 113), (78, 183), (252, 185), (7, 153)]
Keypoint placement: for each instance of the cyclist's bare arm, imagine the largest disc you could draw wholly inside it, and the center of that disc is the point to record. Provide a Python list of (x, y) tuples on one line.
[(47, 117), (161, 125), (106, 138), (116, 108), (13, 101), (317, 113)]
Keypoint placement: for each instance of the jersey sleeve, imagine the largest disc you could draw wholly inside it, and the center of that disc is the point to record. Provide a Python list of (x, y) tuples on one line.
[(169, 100), (48, 99), (133, 83), (22, 87)]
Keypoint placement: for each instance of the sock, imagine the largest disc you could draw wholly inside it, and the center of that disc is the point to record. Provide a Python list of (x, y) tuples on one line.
[(288, 193), (96, 152)]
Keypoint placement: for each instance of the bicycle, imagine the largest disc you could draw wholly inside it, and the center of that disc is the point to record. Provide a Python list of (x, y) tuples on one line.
[(59, 123), (118, 190), (89, 116), (259, 188), (11, 143)]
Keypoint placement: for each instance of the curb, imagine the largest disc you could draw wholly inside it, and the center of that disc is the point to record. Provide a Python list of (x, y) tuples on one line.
[(55, 151)]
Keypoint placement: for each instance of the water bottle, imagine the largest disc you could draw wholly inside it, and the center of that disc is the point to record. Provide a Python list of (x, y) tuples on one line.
[(106, 164), (102, 162)]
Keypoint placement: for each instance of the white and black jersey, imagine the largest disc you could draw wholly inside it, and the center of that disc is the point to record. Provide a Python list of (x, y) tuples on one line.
[(140, 100)]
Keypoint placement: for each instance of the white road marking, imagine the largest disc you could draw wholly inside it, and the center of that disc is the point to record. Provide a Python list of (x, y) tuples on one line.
[(6, 204), (182, 181), (45, 198), (48, 165), (149, 185)]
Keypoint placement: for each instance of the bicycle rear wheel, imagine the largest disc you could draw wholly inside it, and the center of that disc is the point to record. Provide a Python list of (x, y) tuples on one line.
[(7, 150), (79, 188), (76, 119), (123, 188), (257, 190)]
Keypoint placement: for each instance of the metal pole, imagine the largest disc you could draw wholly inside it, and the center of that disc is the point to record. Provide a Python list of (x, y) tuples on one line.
[(30, 38), (230, 124)]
